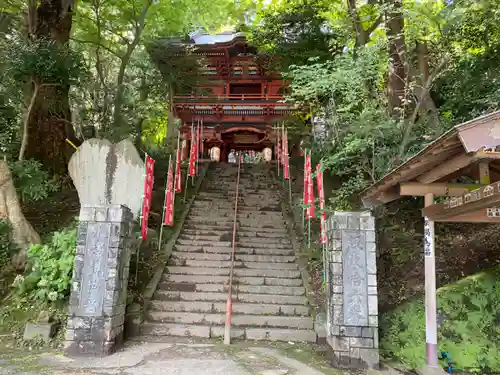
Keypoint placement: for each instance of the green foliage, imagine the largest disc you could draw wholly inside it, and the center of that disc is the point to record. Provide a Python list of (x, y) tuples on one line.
[(297, 31), (471, 87), (44, 62), (363, 140), (470, 332), (32, 182), (7, 248), (49, 270), (8, 124)]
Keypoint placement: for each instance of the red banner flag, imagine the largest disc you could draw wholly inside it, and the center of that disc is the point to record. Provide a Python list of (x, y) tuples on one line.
[(310, 190), (169, 197), (286, 166), (283, 140), (148, 191), (178, 175), (192, 156), (198, 140), (321, 196)]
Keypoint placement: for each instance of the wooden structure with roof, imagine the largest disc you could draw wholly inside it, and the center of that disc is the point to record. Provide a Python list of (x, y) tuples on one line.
[(239, 97), (462, 169)]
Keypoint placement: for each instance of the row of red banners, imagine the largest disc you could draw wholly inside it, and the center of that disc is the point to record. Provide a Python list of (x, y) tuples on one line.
[(308, 197), (282, 153), (174, 180)]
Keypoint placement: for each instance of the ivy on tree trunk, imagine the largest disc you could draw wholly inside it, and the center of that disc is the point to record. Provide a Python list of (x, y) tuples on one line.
[(49, 122), (397, 78)]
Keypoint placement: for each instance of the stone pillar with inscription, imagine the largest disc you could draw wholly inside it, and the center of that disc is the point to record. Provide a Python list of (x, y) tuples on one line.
[(352, 305), (100, 277)]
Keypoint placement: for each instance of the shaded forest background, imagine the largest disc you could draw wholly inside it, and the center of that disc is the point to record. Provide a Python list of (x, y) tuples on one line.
[(383, 78)]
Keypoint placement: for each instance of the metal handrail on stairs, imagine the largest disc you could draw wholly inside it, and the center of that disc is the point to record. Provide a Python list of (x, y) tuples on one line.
[(229, 304)]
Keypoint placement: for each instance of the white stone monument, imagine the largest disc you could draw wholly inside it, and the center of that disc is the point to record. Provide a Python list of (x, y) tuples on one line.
[(106, 174)]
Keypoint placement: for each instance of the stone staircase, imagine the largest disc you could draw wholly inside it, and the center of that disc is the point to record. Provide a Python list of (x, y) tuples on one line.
[(269, 301)]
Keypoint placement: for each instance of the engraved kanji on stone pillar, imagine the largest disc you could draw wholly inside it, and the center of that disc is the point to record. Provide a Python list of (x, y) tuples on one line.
[(100, 277), (352, 306)]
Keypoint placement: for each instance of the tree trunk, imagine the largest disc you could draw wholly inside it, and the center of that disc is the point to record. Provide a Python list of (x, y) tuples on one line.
[(362, 35), (48, 127), (422, 92), (396, 85), (23, 234), (120, 90), (49, 123), (144, 93)]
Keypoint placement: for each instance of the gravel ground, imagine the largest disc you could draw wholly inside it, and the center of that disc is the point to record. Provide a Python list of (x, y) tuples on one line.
[(174, 358)]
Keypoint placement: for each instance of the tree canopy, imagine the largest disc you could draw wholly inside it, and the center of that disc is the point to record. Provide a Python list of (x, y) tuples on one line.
[(387, 76)]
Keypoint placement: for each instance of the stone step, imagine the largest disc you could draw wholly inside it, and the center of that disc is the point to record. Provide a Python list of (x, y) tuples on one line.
[(237, 320), (255, 225), (237, 264), (244, 242), (224, 288), (244, 272), (222, 279), (222, 237), (238, 308), (229, 211), (256, 203), (241, 234), (176, 295), (229, 227), (226, 222), (203, 243), (228, 204), (239, 250), (203, 204), (205, 331), (244, 189), (230, 189), (227, 257), (246, 211)]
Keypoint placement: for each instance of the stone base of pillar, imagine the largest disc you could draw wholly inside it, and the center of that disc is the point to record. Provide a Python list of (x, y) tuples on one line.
[(93, 337), (100, 278)]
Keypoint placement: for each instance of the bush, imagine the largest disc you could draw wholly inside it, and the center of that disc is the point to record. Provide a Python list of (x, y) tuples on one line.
[(470, 329), (32, 182), (49, 270), (7, 248)]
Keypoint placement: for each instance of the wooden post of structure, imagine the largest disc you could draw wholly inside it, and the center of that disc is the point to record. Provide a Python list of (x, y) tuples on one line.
[(484, 173), (430, 288)]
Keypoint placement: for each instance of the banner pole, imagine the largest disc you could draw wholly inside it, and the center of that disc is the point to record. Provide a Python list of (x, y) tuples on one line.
[(309, 233), (177, 153), (303, 204), (186, 185), (193, 139), (283, 148), (198, 136), (324, 266), (164, 202), (278, 152)]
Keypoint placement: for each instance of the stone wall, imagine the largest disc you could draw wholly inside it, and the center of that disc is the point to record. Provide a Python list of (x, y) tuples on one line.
[(352, 306), (100, 277)]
